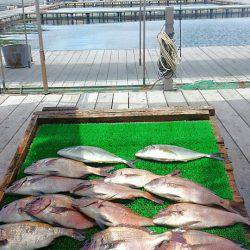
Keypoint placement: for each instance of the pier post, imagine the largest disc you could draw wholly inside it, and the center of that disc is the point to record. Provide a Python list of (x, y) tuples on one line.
[(169, 29), (2, 70), (41, 50)]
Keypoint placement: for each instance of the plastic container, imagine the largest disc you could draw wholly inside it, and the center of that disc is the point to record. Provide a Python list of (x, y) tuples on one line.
[(17, 55)]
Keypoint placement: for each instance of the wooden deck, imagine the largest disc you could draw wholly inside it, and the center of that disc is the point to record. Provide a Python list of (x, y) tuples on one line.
[(120, 67), (232, 112)]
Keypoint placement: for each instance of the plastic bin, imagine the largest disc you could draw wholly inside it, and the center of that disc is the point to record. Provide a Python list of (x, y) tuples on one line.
[(17, 55)]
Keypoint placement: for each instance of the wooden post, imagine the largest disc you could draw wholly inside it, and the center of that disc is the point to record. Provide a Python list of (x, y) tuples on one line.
[(2, 70), (41, 50)]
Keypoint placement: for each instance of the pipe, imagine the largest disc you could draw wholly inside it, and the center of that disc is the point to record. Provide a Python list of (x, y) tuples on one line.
[(140, 33), (41, 49), (144, 42), (2, 70)]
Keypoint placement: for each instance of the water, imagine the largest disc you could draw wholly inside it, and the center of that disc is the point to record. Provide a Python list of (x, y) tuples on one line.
[(203, 32)]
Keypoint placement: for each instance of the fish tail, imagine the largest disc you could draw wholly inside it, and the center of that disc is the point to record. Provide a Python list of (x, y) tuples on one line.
[(231, 206), (216, 156), (245, 220), (76, 234), (105, 171), (130, 163), (153, 198)]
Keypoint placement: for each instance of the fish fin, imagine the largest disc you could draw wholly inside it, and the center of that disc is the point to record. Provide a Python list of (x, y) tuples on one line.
[(188, 224), (78, 235), (216, 156), (37, 205), (163, 245), (34, 180), (152, 198), (230, 206), (129, 164), (59, 210), (105, 171), (53, 173), (173, 196), (103, 222), (176, 172), (130, 175), (81, 186), (3, 242)]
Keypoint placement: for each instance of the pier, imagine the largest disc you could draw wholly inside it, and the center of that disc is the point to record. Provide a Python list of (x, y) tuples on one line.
[(120, 68)]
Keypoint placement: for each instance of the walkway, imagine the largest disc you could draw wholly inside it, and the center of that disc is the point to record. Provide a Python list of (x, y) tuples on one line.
[(120, 67), (232, 110)]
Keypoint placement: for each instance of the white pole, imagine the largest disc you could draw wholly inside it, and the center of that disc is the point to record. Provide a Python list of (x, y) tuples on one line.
[(24, 24), (41, 50), (144, 42), (140, 33), (2, 70)]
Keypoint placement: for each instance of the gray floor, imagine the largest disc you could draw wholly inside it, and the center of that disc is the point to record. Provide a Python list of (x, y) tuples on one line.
[(121, 67), (232, 113)]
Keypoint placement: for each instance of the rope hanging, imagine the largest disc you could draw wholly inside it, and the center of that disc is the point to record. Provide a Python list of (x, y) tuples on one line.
[(169, 56)]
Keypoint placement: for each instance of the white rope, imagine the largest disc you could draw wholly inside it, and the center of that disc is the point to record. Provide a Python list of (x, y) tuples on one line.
[(169, 54)]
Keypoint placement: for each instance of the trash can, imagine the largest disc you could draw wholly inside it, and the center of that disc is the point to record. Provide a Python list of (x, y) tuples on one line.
[(17, 55)]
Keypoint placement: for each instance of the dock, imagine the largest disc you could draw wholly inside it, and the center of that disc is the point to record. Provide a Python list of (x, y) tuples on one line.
[(114, 68), (231, 106)]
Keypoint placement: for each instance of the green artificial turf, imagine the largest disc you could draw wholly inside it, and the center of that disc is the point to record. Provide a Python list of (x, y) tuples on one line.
[(124, 140)]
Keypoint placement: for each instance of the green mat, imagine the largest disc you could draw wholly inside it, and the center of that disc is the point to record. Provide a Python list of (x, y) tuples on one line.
[(125, 139)]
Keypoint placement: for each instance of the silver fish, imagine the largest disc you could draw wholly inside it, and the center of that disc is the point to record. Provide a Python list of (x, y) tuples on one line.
[(108, 191), (135, 178), (64, 167), (42, 184), (197, 216), (110, 214), (57, 210), (125, 238), (13, 212), (32, 235), (170, 153), (90, 154), (192, 239), (183, 190)]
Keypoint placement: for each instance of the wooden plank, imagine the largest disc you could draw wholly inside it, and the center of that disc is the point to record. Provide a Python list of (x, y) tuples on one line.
[(87, 101), (175, 98), (194, 98), (3, 98), (69, 100), (15, 120), (156, 99), (245, 93), (104, 69), (240, 164), (113, 68), (122, 76), (237, 102), (9, 105), (120, 100), (131, 68), (9, 151), (138, 100), (104, 101), (234, 124)]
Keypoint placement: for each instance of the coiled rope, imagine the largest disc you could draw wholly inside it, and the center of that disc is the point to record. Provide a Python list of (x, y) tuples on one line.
[(168, 56)]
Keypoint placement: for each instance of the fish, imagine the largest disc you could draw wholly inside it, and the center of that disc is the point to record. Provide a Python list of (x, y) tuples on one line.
[(184, 190), (65, 168), (197, 216), (107, 213), (57, 210), (32, 235), (42, 184), (184, 239), (109, 191), (135, 178), (90, 154), (13, 212), (122, 237), (170, 153)]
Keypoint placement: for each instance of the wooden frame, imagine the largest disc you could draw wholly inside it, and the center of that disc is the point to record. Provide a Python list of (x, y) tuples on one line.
[(51, 115)]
